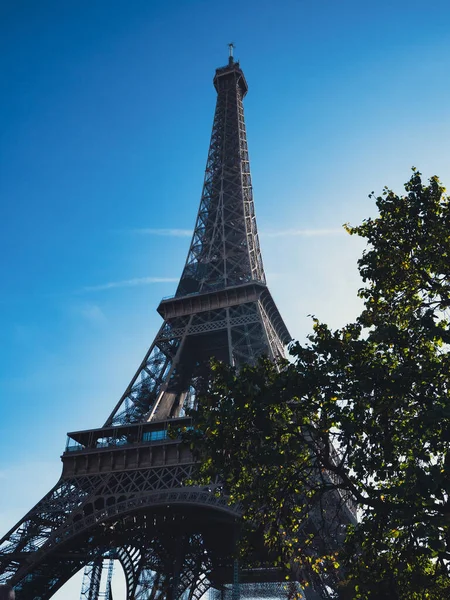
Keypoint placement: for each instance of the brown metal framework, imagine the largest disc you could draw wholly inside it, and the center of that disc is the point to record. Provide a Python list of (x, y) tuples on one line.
[(121, 496), (222, 306)]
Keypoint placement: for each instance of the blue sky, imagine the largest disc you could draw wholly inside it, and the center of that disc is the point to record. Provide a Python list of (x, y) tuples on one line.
[(106, 109)]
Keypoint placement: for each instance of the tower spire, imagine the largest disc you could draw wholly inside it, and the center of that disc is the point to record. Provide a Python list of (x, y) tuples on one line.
[(230, 53)]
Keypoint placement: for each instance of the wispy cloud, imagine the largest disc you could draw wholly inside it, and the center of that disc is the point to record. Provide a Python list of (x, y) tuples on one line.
[(265, 233), (303, 232), (165, 232), (128, 283), (91, 313)]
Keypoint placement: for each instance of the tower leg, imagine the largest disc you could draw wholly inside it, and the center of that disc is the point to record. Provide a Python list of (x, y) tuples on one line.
[(235, 594), (174, 578), (90, 588), (148, 587), (154, 592), (130, 558), (108, 590)]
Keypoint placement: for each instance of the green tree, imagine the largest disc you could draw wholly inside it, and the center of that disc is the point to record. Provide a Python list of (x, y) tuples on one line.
[(361, 414)]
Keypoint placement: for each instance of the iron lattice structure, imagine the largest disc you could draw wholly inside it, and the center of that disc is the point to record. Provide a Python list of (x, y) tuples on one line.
[(222, 306), (121, 496)]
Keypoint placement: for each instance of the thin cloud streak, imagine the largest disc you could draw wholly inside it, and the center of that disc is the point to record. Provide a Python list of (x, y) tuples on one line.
[(128, 283), (279, 233), (165, 232), (303, 232)]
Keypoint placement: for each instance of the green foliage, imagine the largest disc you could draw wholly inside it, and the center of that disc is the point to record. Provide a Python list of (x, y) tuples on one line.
[(361, 414)]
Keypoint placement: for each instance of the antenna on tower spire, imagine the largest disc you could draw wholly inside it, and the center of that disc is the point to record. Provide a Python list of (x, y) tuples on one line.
[(230, 56)]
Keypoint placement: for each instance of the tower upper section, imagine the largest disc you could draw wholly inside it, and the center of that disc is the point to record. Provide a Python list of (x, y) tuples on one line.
[(222, 307), (231, 75), (225, 251)]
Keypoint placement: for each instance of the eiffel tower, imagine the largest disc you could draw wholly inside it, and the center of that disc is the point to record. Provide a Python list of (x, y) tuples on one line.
[(121, 496)]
